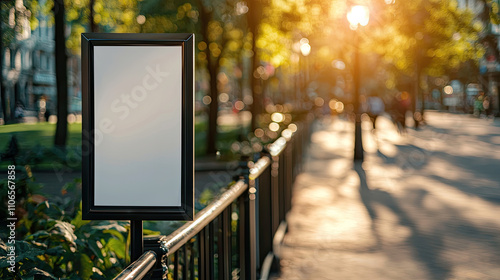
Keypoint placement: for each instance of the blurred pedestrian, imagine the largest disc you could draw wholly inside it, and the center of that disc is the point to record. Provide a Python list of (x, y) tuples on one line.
[(47, 115), (478, 105), (400, 105), (375, 108), (19, 112)]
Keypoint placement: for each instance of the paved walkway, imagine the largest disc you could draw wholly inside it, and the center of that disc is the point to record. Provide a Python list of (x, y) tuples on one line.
[(425, 205)]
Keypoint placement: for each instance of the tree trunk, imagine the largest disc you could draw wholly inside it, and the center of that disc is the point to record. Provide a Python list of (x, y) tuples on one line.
[(214, 107), (61, 75), (254, 14), (417, 94), (93, 26), (212, 67), (3, 94)]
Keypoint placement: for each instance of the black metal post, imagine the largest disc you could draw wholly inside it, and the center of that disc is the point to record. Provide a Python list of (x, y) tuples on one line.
[(185, 261), (210, 251), (226, 241), (203, 269), (242, 236), (252, 233), (281, 185), (358, 143), (289, 176), (191, 260), (220, 269), (136, 240), (265, 227), (176, 265), (275, 212)]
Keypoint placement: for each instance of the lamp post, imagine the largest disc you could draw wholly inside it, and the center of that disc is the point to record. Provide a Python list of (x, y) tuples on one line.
[(359, 15), (305, 50)]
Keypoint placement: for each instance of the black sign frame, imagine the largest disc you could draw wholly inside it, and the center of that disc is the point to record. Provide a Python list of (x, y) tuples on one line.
[(91, 211)]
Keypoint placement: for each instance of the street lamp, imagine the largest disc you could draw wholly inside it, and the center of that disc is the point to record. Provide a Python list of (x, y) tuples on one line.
[(305, 50), (359, 15)]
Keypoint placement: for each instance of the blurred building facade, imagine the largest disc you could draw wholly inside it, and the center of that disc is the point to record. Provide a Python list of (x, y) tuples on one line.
[(28, 67), (489, 65)]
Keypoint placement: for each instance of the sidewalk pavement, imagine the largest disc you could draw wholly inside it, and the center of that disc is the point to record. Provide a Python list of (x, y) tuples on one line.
[(425, 205)]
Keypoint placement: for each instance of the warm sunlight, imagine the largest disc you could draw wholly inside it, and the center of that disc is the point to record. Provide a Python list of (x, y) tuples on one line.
[(359, 15)]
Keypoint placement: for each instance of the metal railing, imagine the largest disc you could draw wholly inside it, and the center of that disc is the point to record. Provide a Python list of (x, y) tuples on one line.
[(238, 235), (140, 268)]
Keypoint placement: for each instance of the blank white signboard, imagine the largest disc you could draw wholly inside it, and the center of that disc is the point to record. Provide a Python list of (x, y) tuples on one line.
[(137, 118)]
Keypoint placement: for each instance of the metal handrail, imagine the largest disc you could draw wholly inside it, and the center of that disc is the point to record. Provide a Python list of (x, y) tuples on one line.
[(259, 167), (179, 237), (274, 193), (279, 145), (138, 269)]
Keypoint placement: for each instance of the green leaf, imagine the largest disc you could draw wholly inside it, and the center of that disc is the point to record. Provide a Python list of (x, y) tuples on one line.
[(50, 210), (27, 251), (96, 250), (84, 266), (115, 233), (150, 232), (77, 221), (56, 251), (65, 230), (3, 262), (3, 247), (39, 235), (98, 275), (37, 273), (111, 225), (116, 246)]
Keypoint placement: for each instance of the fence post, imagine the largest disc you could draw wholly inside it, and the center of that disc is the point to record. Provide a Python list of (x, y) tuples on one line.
[(153, 243), (252, 231), (136, 240), (265, 222), (225, 244), (275, 214), (247, 228)]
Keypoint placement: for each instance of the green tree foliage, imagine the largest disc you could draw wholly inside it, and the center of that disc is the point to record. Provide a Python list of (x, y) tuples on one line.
[(423, 38), (118, 16), (285, 22), (436, 36), (8, 26), (219, 40), (275, 26)]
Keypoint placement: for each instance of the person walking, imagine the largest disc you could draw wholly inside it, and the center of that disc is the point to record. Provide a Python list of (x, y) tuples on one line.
[(478, 105), (375, 109)]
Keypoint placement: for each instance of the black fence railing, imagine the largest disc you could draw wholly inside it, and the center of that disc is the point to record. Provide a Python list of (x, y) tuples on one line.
[(238, 235)]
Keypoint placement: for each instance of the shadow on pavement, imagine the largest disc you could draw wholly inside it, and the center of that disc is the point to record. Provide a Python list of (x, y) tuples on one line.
[(425, 247), (412, 158)]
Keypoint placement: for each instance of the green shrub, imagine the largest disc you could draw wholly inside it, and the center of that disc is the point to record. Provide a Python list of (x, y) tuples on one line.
[(53, 241)]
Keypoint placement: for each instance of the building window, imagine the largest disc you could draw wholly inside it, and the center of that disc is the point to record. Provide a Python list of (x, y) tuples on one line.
[(42, 60), (36, 59), (7, 58), (18, 60), (50, 64), (12, 18), (27, 60)]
